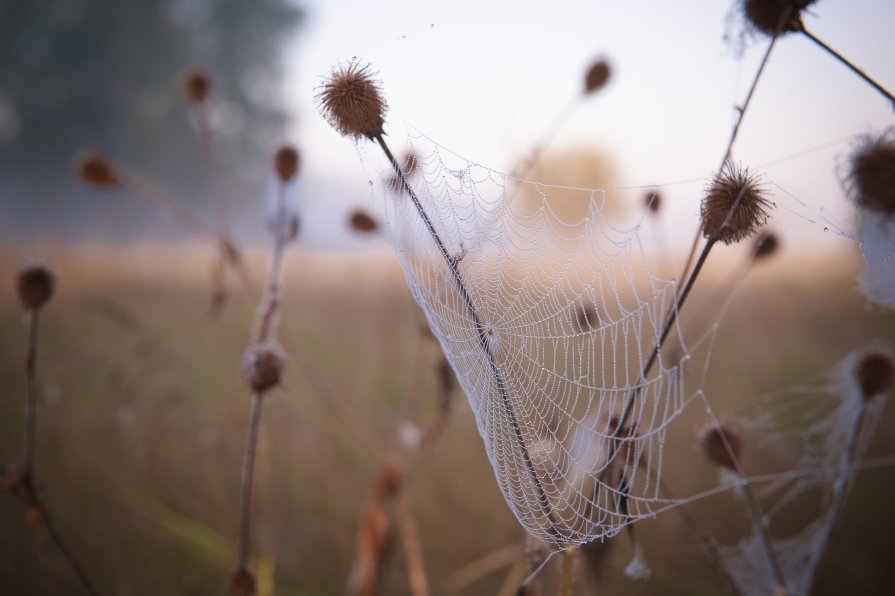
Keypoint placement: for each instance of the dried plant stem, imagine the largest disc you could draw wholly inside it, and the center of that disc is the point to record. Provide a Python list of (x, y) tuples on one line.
[(569, 557), (205, 136), (31, 405), (841, 487), (867, 78), (548, 135), (413, 552), (248, 482), (452, 264), (761, 529)]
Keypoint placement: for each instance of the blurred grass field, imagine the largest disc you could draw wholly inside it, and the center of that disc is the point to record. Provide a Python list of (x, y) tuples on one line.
[(143, 415)]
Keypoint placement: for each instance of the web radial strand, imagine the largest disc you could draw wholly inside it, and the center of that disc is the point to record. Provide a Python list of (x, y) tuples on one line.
[(561, 315)]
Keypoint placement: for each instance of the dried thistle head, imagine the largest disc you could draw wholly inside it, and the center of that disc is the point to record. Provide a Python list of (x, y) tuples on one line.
[(95, 170), (197, 86), (652, 200), (351, 100), (34, 284), (734, 206), (766, 244), (875, 374), (262, 366), (597, 76), (721, 444), (871, 173), (767, 16), (362, 222), (286, 161), (243, 583)]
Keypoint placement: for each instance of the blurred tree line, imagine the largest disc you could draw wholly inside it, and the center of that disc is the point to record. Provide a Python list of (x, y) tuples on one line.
[(107, 74)]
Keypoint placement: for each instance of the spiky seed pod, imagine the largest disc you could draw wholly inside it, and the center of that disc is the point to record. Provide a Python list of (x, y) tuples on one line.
[(653, 201), (35, 284), (597, 76), (286, 161), (243, 583), (765, 245), (714, 441), (351, 100), (734, 206), (875, 374), (871, 173), (766, 15), (95, 170), (262, 366), (197, 86), (362, 222)]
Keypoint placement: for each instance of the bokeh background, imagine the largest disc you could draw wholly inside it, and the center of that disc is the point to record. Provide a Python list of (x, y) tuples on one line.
[(142, 408)]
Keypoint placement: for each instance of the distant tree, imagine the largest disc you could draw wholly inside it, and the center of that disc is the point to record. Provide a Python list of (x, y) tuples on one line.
[(108, 74)]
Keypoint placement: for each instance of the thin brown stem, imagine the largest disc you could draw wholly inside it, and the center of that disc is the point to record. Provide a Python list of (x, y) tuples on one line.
[(205, 137), (569, 558), (248, 482), (761, 529), (452, 263), (413, 552), (863, 75), (31, 404)]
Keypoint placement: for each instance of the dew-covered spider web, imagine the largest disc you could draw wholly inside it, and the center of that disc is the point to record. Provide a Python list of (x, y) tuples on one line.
[(549, 321), (806, 446)]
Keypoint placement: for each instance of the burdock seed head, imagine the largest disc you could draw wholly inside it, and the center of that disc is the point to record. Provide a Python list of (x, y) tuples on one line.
[(597, 76), (653, 201), (875, 374), (721, 445), (765, 245), (197, 86), (35, 284), (767, 15), (262, 366), (871, 173), (734, 206), (286, 161), (351, 101), (95, 170), (362, 222)]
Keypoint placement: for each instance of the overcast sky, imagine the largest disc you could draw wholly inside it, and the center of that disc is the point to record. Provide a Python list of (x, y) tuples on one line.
[(485, 78)]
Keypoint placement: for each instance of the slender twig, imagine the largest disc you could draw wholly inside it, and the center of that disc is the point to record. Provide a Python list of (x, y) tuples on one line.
[(31, 406), (413, 553), (867, 78), (452, 264), (569, 558), (248, 482)]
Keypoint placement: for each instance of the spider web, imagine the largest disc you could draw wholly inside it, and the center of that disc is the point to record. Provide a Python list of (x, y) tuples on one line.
[(548, 322)]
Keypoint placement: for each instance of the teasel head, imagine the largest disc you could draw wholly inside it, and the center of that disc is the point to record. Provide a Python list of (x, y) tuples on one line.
[(875, 374), (197, 86), (597, 76), (95, 170), (652, 200), (35, 284), (351, 100), (262, 366), (721, 444), (771, 16), (766, 245), (361, 221), (286, 162), (871, 173), (734, 207)]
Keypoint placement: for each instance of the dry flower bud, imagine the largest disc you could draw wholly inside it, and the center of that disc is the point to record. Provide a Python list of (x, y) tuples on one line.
[(597, 76), (734, 206), (653, 201), (875, 374), (350, 99), (243, 583), (262, 366), (95, 170), (765, 245), (286, 162), (769, 15), (721, 445), (871, 176), (197, 86), (362, 222), (35, 284)]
